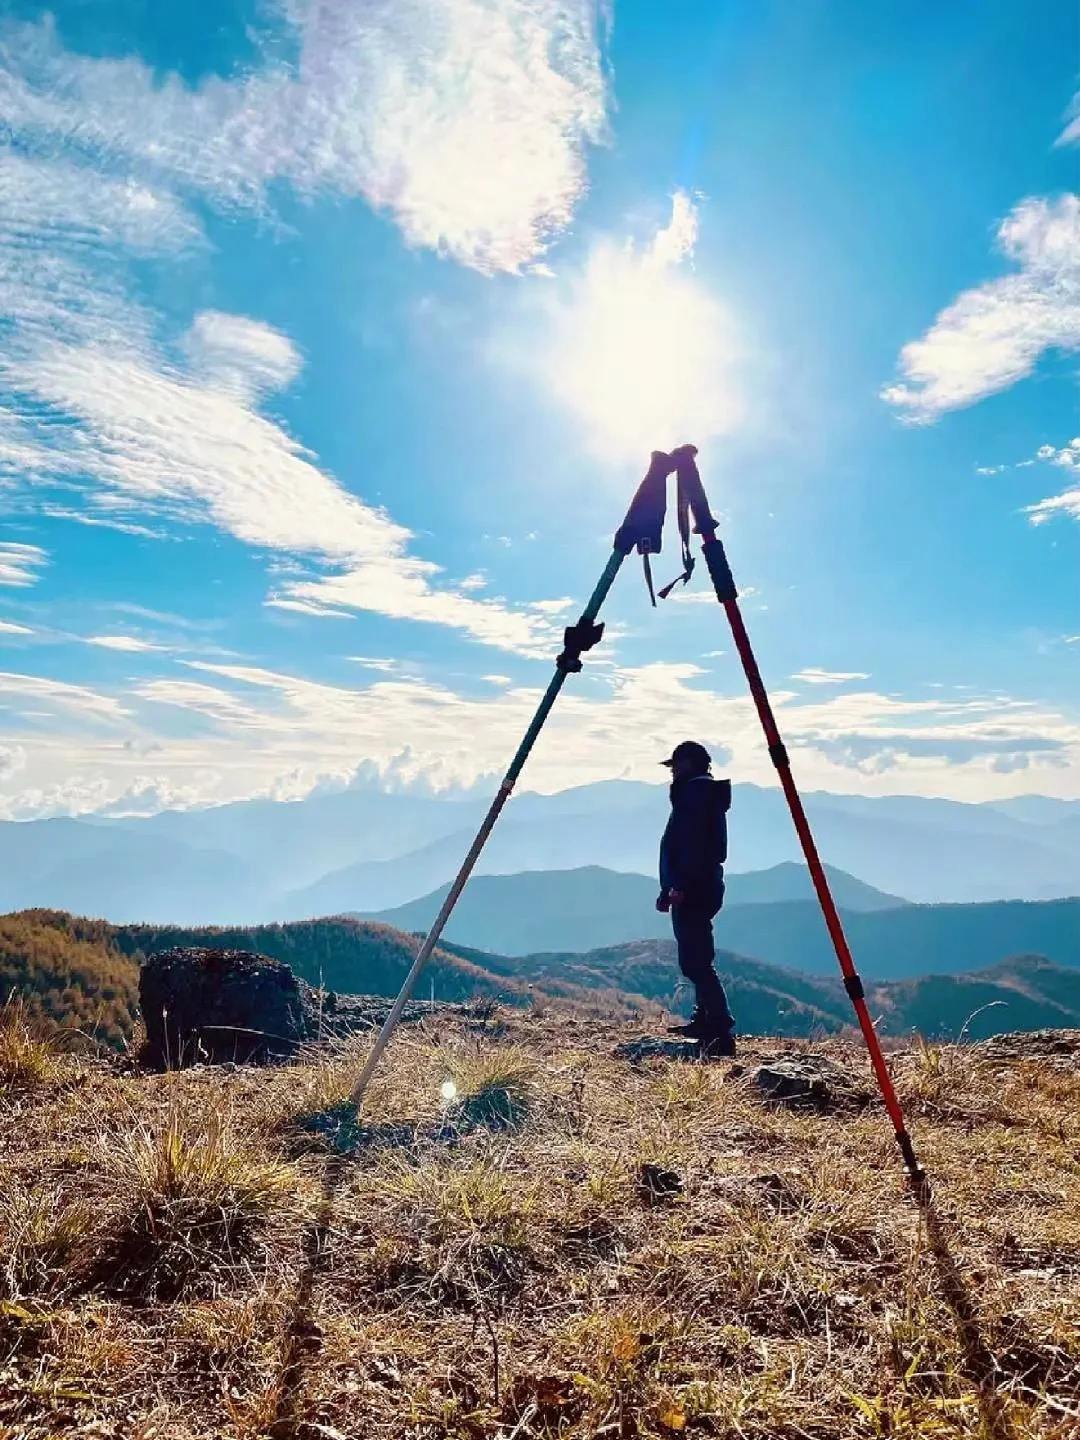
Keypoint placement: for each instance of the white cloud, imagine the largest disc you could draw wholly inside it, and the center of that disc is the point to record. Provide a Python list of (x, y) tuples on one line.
[(65, 229), (206, 700), (466, 120), (374, 662), (238, 355), (1067, 501), (304, 607), (8, 627), (20, 564), (129, 644), (242, 730), (159, 441), (552, 607), (813, 675), (97, 522), (60, 696), (1071, 134), (640, 351), (12, 760), (994, 335), (41, 195)]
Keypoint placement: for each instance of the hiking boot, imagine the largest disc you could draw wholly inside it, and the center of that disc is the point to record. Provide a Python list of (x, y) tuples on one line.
[(720, 1045), (692, 1029)]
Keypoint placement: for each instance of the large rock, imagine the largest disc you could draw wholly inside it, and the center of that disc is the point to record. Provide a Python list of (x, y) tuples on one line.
[(207, 1005), (1056, 1049), (809, 1080), (204, 1006)]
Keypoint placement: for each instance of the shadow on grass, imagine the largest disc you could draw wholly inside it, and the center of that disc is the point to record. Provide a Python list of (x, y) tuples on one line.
[(981, 1366), (348, 1140), (303, 1337)]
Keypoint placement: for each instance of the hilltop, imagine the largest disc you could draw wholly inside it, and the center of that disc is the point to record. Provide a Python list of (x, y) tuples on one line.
[(576, 1246), (78, 973)]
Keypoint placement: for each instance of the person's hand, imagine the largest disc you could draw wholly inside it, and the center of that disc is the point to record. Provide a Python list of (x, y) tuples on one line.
[(663, 902), (676, 897)]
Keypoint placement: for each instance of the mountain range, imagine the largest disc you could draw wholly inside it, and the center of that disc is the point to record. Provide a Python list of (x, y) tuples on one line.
[(591, 907), (1022, 993), (580, 910), (364, 850), (75, 972)]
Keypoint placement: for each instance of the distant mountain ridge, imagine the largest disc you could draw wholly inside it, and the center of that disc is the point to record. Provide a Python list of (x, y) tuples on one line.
[(589, 907), (1023, 993), (364, 850), (564, 911)]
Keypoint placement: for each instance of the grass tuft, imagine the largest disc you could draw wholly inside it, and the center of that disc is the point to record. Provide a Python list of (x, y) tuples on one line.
[(43, 1232), (27, 1058), (191, 1200), (496, 1087)]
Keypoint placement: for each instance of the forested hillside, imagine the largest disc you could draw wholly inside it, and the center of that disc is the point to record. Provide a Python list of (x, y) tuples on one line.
[(69, 972), (338, 954), (83, 974)]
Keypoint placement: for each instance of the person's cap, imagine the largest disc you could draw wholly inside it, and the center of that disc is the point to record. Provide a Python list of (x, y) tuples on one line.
[(689, 750)]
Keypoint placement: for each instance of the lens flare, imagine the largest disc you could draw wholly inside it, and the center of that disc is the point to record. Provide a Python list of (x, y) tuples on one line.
[(448, 1090)]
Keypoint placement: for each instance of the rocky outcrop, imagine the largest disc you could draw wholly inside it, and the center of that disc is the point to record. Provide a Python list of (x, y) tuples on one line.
[(809, 1080), (202, 1006), (1058, 1049)]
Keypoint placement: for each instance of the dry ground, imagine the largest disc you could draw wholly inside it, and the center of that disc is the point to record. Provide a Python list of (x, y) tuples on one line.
[(575, 1247)]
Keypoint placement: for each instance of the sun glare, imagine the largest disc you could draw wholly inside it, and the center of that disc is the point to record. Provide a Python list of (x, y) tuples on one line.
[(642, 352)]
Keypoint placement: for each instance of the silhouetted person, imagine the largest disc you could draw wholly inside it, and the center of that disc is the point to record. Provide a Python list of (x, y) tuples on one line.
[(692, 855)]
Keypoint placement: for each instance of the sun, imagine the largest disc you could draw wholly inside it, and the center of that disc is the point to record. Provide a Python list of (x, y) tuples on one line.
[(641, 351)]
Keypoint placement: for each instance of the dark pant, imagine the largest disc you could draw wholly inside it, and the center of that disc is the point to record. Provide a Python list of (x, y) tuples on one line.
[(692, 923)]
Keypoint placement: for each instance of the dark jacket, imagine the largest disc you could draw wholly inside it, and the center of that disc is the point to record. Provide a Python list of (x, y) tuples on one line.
[(694, 845)]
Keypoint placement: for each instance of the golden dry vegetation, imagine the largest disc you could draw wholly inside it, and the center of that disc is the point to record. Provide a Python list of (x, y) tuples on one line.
[(571, 1247)]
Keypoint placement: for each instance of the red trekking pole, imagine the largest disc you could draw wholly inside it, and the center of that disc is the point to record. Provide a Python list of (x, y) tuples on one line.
[(692, 497)]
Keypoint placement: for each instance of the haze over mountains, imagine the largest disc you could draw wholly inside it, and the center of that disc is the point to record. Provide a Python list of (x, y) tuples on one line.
[(362, 850), (590, 907)]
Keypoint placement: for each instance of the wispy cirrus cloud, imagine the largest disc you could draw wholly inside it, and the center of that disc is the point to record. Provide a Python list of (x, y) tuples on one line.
[(1065, 502), (1064, 458), (466, 120), (59, 695), (995, 334), (126, 644), (240, 356), (206, 700), (1071, 134), (157, 441), (814, 675), (21, 565)]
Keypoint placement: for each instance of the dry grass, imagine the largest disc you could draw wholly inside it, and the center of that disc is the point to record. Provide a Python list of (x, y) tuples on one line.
[(27, 1057), (190, 1198), (185, 1255)]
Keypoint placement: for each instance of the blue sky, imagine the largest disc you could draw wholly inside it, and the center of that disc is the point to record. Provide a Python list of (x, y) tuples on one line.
[(333, 340)]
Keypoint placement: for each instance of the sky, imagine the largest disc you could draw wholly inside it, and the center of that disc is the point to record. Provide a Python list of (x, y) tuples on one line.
[(334, 340)]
